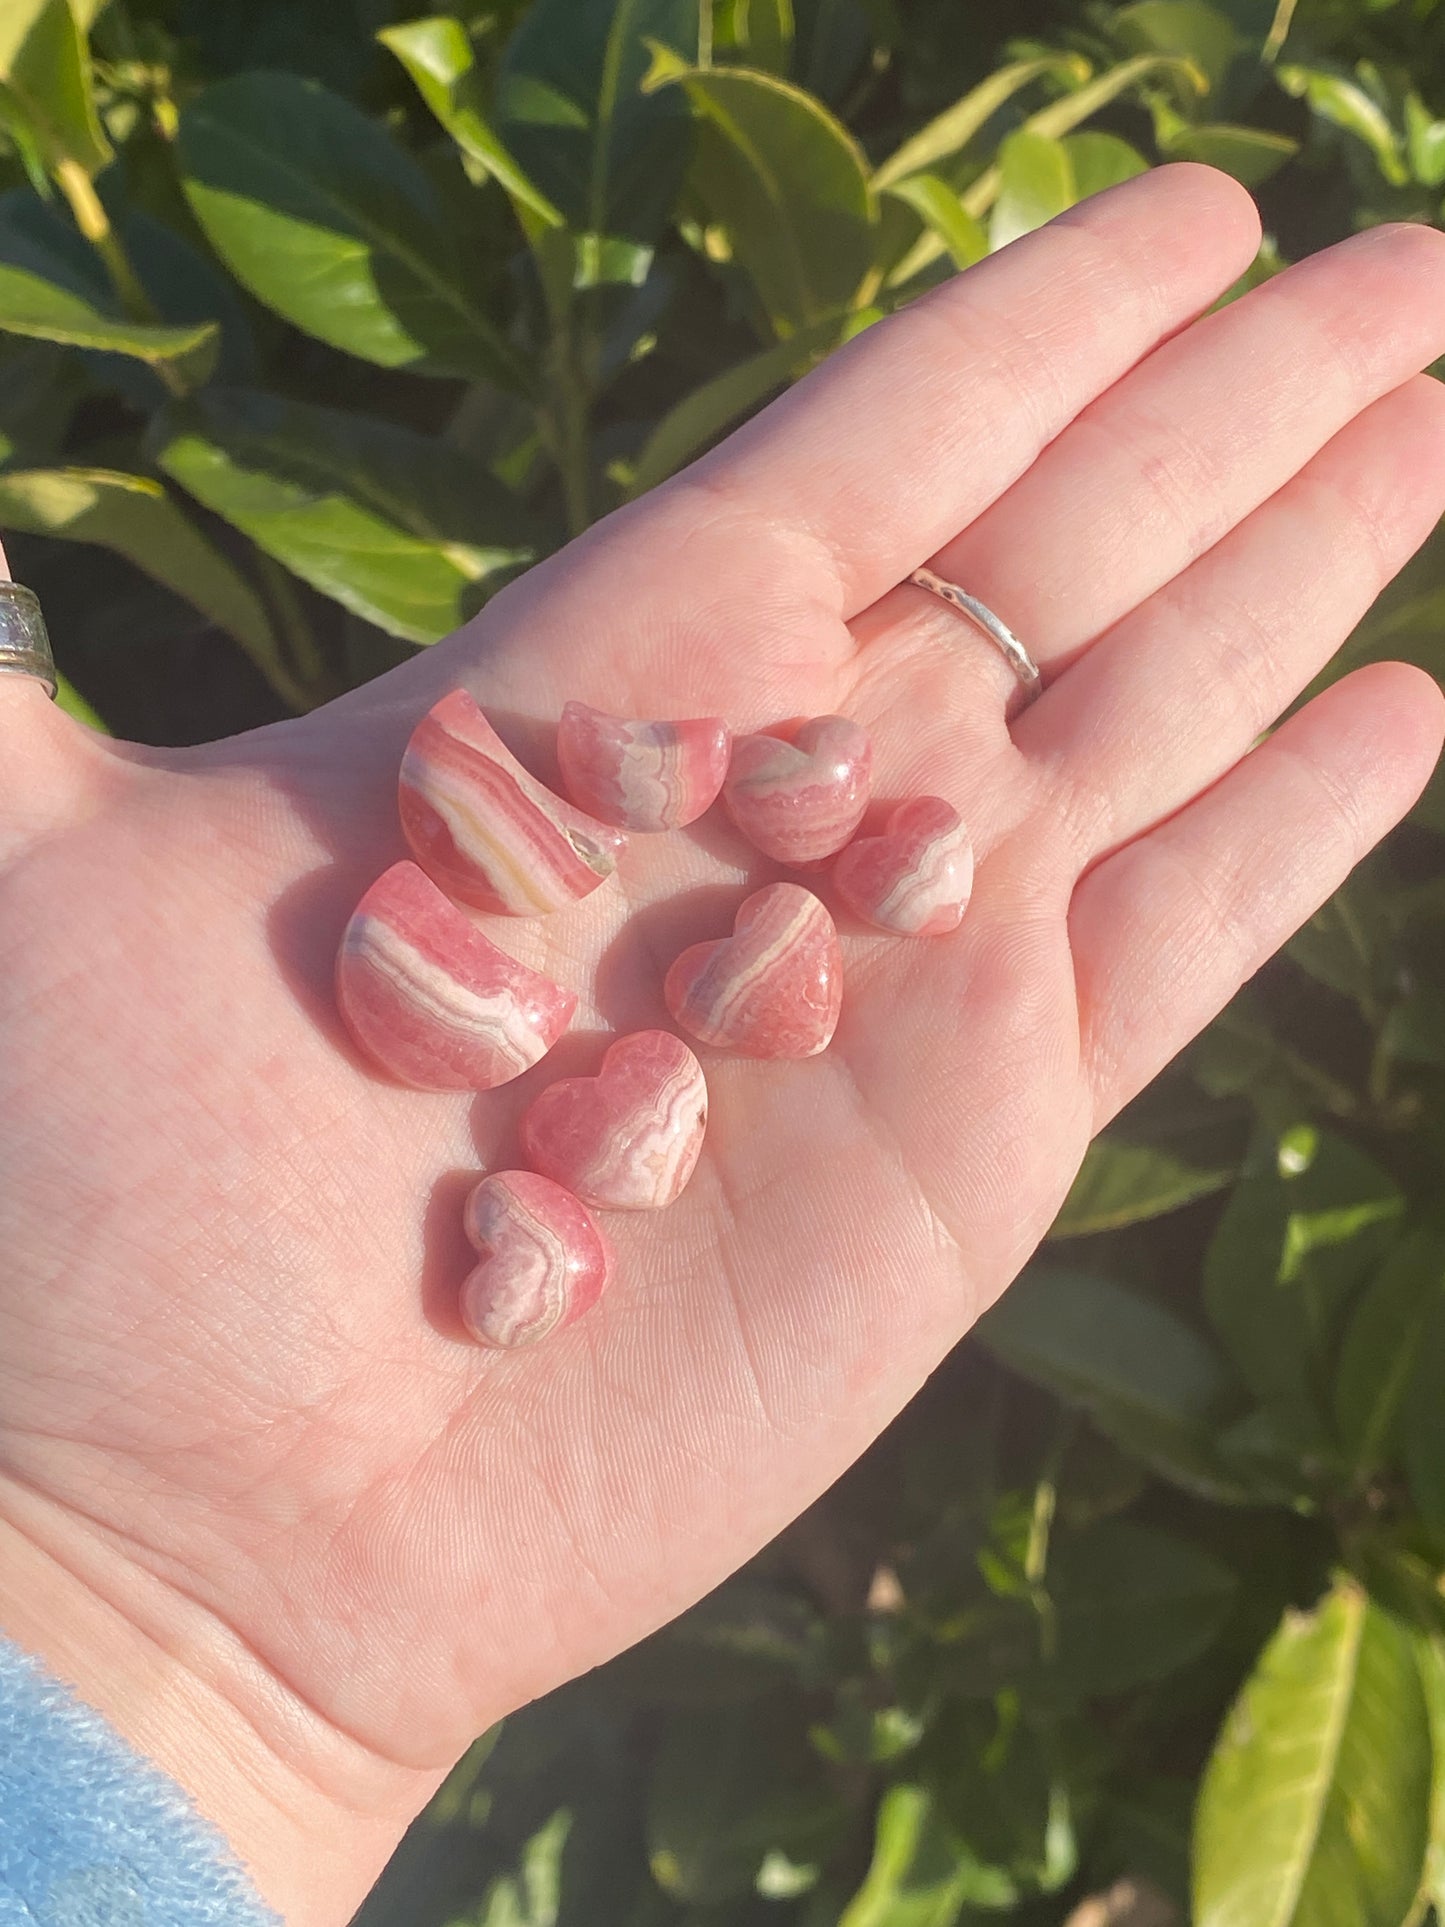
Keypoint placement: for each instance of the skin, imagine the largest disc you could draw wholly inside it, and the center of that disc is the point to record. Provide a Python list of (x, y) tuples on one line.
[(257, 1499)]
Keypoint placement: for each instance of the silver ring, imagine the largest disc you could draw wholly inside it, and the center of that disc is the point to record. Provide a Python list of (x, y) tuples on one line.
[(24, 641), (999, 633)]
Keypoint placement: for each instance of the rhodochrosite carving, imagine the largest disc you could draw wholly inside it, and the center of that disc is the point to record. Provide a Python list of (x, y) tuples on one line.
[(800, 801), (642, 776), (915, 878), (543, 1259), (433, 1001), (629, 1137), (773, 988), (485, 829)]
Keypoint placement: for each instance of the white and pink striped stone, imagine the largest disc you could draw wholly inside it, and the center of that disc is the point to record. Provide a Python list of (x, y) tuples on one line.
[(629, 1138), (485, 829), (800, 801), (774, 988), (649, 776), (915, 878), (433, 1001), (544, 1260)]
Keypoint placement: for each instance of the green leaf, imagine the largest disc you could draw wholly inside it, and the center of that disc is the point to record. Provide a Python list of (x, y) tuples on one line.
[(1314, 1808), (1383, 1343), (438, 55), (940, 209), (1036, 182), (916, 1877), (1310, 1219), (1145, 1379), (1100, 161), (399, 528), (45, 71), (570, 106), (1422, 1424), (731, 1787), (326, 220), (135, 517), (532, 1895), (1430, 1657), (1250, 154), (953, 129), (786, 184), (1424, 141), (1003, 1795), (705, 412), (1131, 1605), (57, 292), (1337, 98), (1121, 1183), (1202, 33)]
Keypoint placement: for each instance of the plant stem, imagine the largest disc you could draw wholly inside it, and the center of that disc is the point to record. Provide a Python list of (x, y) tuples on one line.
[(94, 223)]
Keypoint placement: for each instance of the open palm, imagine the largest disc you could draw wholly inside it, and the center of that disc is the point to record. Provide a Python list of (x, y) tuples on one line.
[(236, 1407)]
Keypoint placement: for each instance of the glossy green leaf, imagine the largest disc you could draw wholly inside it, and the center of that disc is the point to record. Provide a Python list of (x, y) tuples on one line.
[(1250, 154), (731, 1787), (1036, 182), (953, 129), (1311, 1218), (570, 107), (135, 517), (1143, 1376), (324, 218), (1190, 27), (1315, 1806), (1337, 98), (1123, 1183), (786, 184), (399, 528), (916, 1877), (438, 55), (52, 289), (701, 416), (942, 211), (1382, 1346), (1430, 1658), (45, 73)]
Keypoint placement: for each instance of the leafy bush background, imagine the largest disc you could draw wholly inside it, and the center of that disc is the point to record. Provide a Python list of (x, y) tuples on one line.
[(320, 322)]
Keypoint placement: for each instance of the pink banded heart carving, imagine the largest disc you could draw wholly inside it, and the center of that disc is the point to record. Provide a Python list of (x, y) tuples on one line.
[(433, 1001), (774, 988), (485, 829), (800, 801), (915, 878), (629, 1138), (544, 1261), (640, 775)]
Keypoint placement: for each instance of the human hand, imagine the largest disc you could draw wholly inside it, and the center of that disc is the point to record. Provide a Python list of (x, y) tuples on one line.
[(257, 1497)]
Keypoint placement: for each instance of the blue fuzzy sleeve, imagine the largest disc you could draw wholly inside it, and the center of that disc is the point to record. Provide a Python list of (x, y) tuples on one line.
[(92, 1834)]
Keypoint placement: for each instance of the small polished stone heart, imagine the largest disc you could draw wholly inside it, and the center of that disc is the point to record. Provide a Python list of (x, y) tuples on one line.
[(629, 1138), (800, 801), (485, 829), (774, 988), (433, 1001), (544, 1260), (640, 775), (915, 878)]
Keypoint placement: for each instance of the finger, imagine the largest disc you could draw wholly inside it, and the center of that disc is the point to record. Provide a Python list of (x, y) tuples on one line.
[(1178, 691), (1218, 418), (1167, 929), (913, 428)]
